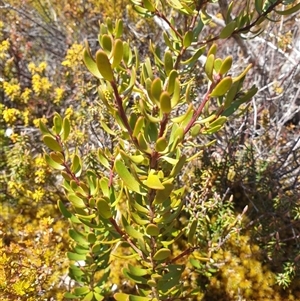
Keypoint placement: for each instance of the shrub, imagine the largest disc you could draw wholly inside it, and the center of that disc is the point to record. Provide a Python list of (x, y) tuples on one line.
[(129, 198)]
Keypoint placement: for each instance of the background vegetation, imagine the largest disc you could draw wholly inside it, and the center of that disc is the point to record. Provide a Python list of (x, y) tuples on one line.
[(254, 163)]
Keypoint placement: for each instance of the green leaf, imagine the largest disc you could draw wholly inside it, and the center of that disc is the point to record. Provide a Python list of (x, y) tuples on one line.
[(51, 142), (219, 121), (212, 50), (57, 121), (188, 39), (78, 237), (209, 66), (52, 163), (133, 232), (119, 28), (57, 157), (44, 128), (75, 256), (103, 209), (178, 167), (63, 209), (195, 130), (171, 81), (226, 65), (176, 94), (138, 126), (89, 297), (104, 66), (149, 5), (153, 181), (192, 231), (194, 57), (121, 297), (90, 63), (163, 195), (162, 254), (76, 201), (66, 128), (76, 166), (117, 53), (156, 89), (161, 144), (165, 102), (168, 62), (239, 77), (288, 11), (217, 64), (130, 182), (106, 42), (228, 30), (222, 87), (212, 130), (152, 230), (137, 271)]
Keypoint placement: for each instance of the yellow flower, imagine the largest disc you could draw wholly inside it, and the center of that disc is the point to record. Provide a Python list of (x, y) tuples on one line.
[(31, 67), (26, 117), (38, 194), (74, 56), (59, 92), (25, 95), (10, 115), (69, 111), (45, 84), (36, 121), (12, 90), (42, 67)]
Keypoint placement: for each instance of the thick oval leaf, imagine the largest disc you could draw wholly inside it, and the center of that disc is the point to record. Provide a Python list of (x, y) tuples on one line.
[(75, 256), (191, 232), (52, 163), (117, 53), (217, 64), (153, 182), (51, 142), (104, 66), (168, 62), (162, 254), (226, 65), (209, 66), (156, 88), (222, 87), (90, 63), (212, 50), (57, 121), (137, 271), (44, 128), (76, 201), (289, 11), (188, 39), (165, 102), (89, 297), (161, 144), (104, 209), (63, 209), (152, 230), (129, 181), (227, 31), (57, 157), (106, 42), (66, 128)]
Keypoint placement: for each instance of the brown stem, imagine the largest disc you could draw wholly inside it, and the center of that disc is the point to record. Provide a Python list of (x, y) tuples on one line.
[(184, 253), (126, 237), (200, 108)]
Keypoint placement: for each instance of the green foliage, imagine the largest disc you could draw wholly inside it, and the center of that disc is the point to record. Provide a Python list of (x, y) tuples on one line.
[(133, 201)]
